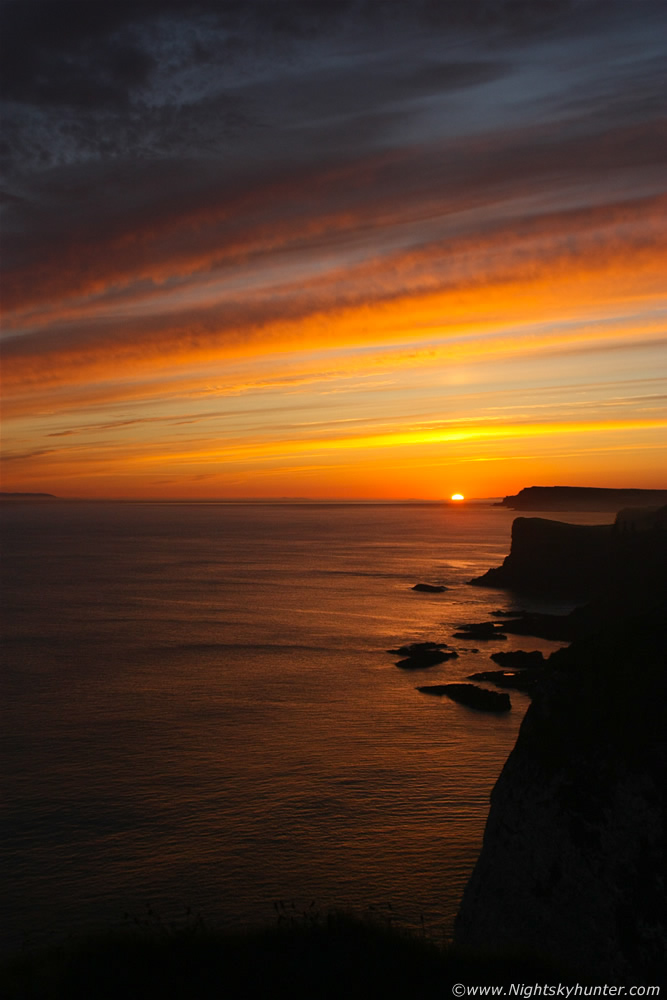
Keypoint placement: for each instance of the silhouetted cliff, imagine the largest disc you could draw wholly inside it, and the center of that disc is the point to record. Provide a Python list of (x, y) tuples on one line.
[(554, 557), (572, 867), (581, 498)]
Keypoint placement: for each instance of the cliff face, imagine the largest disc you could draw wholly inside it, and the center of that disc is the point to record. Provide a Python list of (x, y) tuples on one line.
[(581, 498), (572, 868), (552, 557)]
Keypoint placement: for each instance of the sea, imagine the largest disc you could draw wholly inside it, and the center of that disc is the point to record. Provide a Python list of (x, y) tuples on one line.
[(201, 718)]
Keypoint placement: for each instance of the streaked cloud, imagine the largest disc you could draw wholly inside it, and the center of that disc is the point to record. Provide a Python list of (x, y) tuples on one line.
[(342, 236)]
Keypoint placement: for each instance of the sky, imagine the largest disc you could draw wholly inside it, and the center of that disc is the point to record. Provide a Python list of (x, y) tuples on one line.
[(348, 249)]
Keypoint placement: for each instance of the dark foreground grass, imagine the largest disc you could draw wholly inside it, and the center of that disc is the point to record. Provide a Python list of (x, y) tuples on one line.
[(337, 955)]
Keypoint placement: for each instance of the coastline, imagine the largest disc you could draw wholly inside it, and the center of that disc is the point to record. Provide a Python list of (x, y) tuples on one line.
[(571, 869), (427, 601)]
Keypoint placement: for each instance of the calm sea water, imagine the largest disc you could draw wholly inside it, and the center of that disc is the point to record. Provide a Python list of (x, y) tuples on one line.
[(199, 710)]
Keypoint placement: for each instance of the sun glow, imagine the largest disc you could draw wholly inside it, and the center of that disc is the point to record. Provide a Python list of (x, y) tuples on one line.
[(457, 496)]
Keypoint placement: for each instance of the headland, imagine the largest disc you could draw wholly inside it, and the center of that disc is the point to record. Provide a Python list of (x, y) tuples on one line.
[(572, 868), (582, 498)]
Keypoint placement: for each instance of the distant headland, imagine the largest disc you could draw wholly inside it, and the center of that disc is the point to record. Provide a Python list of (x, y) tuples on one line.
[(575, 498), (27, 496)]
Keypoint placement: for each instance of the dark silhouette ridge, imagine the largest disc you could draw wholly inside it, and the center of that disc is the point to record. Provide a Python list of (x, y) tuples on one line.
[(576, 560), (581, 498), (27, 496), (552, 557), (572, 866)]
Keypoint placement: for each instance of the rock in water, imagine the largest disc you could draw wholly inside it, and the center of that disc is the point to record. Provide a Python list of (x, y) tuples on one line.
[(472, 696), (427, 658), (415, 648), (519, 680), (482, 630)]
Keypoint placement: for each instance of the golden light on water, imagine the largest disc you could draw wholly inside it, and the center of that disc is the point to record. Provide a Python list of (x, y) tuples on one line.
[(457, 496)]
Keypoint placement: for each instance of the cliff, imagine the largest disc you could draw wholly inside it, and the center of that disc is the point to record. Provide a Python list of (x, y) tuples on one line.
[(572, 868), (581, 498), (553, 557)]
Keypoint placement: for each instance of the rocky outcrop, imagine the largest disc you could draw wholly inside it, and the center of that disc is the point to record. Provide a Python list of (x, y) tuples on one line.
[(416, 648), (418, 655), (430, 588), (426, 658), (581, 498), (471, 695)]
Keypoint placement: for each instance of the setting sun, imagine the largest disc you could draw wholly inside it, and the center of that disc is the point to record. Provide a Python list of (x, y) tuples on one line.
[(315, 308)]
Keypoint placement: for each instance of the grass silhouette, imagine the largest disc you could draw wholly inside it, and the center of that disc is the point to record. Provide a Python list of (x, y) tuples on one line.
[(305, 954)]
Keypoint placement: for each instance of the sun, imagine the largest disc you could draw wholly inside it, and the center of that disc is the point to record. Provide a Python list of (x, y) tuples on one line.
[(457, 496)]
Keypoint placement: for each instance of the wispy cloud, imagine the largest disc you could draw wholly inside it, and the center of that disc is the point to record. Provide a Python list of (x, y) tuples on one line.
[(329, 216)]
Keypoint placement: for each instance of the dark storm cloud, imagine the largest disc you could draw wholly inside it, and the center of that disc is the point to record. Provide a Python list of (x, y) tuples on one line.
[(96, 55), (95, 79), (251, 81), (152, 139), (67, 53), (636, 92), (86, 55)]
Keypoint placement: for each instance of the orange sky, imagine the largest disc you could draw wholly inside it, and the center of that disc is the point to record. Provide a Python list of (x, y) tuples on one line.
[(469, 298)]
